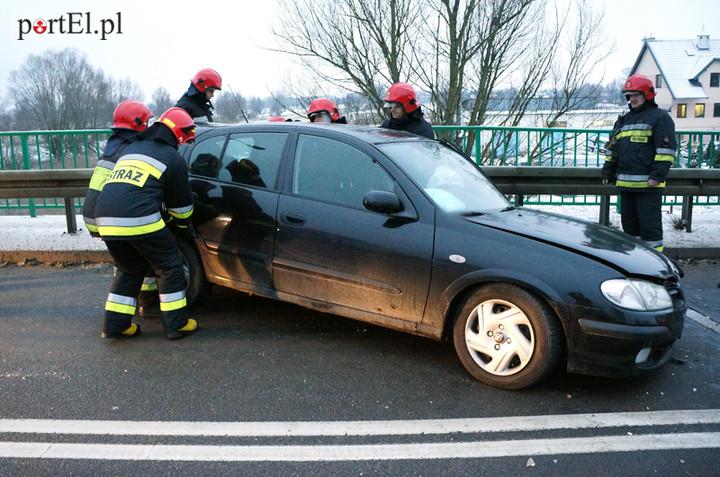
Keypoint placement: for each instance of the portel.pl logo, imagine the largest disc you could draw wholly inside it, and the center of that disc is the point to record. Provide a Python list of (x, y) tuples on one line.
[(71, 23)]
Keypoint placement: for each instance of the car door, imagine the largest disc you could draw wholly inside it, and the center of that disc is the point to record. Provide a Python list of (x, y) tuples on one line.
[(234, 178), (329, 248)]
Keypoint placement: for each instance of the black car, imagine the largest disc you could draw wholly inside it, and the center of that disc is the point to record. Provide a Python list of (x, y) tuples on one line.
[(404, 232)]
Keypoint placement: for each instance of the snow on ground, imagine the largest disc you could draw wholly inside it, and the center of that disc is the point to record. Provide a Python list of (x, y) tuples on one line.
[(49, 232), (44, 232)]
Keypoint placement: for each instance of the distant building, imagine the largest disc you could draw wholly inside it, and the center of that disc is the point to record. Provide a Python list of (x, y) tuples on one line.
[(686, 74)]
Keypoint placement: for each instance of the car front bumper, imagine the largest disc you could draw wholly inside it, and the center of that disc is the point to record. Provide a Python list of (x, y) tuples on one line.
[(599, 347)]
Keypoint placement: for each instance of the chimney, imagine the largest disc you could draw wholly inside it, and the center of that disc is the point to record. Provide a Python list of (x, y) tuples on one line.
[(703, 42)]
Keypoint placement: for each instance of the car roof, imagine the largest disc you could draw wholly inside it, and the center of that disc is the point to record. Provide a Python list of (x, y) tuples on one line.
[(370, 134)]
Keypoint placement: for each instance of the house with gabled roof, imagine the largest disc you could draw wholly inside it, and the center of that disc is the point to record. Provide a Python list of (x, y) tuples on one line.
[(686, 74)]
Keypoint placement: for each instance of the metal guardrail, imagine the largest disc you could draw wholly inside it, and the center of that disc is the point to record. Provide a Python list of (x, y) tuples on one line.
[(558, 146), (571, 148), (524, 181), (60, 183), (488, 145), (517, 181), (48, 150)]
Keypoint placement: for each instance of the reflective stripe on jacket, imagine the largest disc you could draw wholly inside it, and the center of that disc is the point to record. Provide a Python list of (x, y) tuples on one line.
[(148, 175), (116, 144), (642, 146)]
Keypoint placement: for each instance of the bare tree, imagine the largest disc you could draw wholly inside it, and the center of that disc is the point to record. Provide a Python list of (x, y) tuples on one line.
[(125, 89), (7, 116), (564, 75), (255, 107), (61, 90), (230, 106), (585, 52), (504, 28), (161, 101), (357, 45), (461, 52), (440, 64)]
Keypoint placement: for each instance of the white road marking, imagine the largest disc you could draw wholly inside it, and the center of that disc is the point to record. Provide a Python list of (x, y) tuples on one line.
[(457, 450), (360, 428), (705, 321)]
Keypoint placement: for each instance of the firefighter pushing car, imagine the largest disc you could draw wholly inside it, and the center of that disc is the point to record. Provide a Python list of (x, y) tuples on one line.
[(149, 175)]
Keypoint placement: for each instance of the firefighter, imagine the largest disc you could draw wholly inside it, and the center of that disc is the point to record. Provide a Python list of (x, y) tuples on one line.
[(639, 155), (149, 174), (405, 112), (323, 110), (196, 100), (129, 119)]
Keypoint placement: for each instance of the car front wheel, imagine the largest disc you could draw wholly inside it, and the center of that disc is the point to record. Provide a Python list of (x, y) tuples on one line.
[(506, 337), (197, 285)]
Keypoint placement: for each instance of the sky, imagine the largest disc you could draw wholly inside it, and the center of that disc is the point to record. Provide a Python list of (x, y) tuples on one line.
[(163, 43)]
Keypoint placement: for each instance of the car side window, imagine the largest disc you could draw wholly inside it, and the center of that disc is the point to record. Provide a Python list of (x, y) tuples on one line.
[(205, 157), (332, 171), (253, 158)]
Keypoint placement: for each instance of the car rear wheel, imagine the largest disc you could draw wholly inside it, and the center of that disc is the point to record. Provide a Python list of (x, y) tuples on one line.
[(197, 285), (506, 337)]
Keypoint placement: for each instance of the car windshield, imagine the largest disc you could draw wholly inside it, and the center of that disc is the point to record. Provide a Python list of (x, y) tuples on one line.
[(448, 178)]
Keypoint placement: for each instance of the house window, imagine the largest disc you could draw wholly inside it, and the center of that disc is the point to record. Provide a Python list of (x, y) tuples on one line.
[(714, 80), (716, 110), (658, 81), (681, 110), (699, 110)]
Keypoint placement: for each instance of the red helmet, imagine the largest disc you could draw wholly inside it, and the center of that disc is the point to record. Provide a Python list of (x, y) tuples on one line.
[(404, 94), (642, 84), (207, 78), (180, 123), (131, 114), (323, 104)]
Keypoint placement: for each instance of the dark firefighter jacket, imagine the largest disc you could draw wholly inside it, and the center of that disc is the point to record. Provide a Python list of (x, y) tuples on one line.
[(147, 175), (196, 104), (641, 147), (116, 144), (413, 123)]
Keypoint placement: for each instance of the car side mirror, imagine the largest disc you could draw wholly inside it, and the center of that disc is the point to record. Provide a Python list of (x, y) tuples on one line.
[(383, 202)]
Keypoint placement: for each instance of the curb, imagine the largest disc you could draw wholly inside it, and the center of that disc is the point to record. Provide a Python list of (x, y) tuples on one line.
[(703, 320), (698, 253), (50, 257)]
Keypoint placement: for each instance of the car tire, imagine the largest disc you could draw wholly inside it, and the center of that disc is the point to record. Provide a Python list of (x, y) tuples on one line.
[(198, 288), (506, 337)]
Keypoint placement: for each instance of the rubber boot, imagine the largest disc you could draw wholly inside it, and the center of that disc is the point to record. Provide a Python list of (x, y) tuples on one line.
[(130, 332), (190, 327)]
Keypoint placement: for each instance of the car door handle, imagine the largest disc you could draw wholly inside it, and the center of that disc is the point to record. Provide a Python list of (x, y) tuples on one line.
[(293, 219)]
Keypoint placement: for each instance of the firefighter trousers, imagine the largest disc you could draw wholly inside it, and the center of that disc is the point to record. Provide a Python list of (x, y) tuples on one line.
[(134, 258), (641, 214)]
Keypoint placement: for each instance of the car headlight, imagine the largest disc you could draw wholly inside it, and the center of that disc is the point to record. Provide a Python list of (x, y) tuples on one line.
[(638, 295)]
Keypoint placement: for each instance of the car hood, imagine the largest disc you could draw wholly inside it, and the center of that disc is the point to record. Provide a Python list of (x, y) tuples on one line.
[(601, 243)]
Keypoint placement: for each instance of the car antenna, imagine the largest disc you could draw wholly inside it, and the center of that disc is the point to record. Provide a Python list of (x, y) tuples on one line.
[(238, 104)]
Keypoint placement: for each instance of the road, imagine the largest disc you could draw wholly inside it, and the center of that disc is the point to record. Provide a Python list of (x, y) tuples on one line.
[(274, 389)]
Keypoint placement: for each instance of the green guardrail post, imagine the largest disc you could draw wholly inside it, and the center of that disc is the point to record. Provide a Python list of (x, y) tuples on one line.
[(26, 166), (478, 148)]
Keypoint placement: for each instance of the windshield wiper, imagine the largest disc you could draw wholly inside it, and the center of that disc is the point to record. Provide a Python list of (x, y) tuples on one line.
[(472, 213), (508, 208)]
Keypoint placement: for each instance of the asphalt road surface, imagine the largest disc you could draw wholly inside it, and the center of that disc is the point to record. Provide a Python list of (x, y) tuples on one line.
[(267, 388)]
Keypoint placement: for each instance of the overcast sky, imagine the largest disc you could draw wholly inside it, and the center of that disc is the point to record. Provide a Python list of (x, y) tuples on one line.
[(165, 42)]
